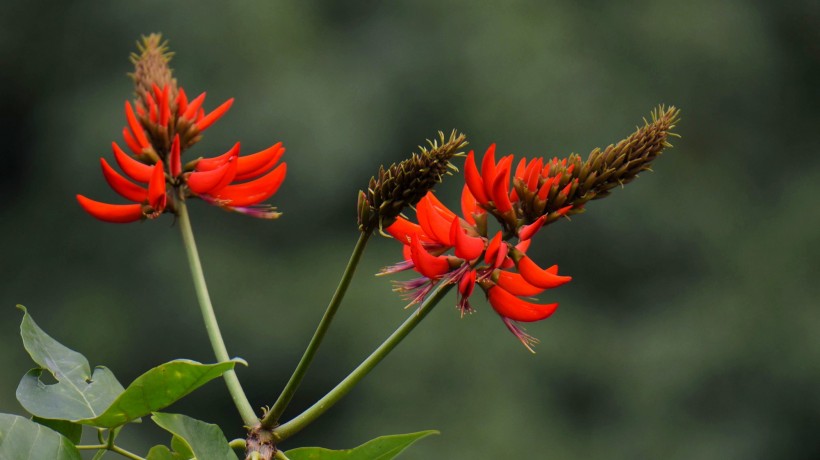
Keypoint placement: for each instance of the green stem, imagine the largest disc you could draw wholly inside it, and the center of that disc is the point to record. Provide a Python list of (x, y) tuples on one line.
[(125, 453), (312, 413), (211, 325), (279, 455), (272, 416)]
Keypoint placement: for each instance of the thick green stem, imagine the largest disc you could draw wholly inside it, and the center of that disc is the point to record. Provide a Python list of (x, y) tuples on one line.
[(312, 413), (272, 416), (211, 325)]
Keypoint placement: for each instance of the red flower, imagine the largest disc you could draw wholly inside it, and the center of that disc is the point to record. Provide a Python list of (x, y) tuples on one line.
[(444, 247), (164, 125)]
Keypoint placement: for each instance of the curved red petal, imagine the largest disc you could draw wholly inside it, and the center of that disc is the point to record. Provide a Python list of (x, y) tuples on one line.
[(175, 161), (216, 114), (467, 283), (533, 173), (501, 186), (136, 170), (193, 107), (255, 191), (182, 101), (469, 206), (488, 170), (521, 168), (510, 306), (207, 164), (135, 126), (473, 179), (130, 141), (492, 248), (156, 189), (537, 276), (425, 263), (515, 284), (201, 182), (467, 247), (114, 213), (528, 231), (443, 210), (433, 223), (121, 185), (402, 228), (258, 163)]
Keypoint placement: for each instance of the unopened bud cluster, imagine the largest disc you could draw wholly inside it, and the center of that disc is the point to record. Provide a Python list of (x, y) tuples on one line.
[(404, 184)]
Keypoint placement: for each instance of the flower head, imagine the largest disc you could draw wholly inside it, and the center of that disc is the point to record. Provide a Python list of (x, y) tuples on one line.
[(445, 247), (161, 125)]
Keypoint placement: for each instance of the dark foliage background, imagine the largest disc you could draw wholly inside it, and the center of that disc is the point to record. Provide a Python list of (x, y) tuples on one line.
[(689, 331)]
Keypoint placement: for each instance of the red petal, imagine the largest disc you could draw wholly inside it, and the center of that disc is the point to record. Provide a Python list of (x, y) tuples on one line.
[(193, 106), (537, 276), (515, 284), (469, 206), (545, 188), (255, 191), (182, 102), (444, 211), (473, 179), (528, 231), (207, 164), (175, 161), (519, 170), (121, 185), (135, 126), (533, 173), (510, 306), (492, 248), (258, 163), (466, 284), (501, 186), (152, 107), (216, 114), (488, 170), (467, 247), (201, 182), (164, 108), (401, 230), (130, 141), (115, 213), (433, 223), (427, 264), (156, 188), (136, 170)]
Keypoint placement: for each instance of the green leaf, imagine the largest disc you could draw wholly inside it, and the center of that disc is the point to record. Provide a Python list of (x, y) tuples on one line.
[(206, 441), (179, 445), (158, 388), (163, 453), (20, 439), (381, 448), (70, 430), (78, 394)]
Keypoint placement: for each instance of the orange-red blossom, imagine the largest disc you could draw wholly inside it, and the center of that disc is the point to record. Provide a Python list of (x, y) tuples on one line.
[(154, 168), (500, 268)]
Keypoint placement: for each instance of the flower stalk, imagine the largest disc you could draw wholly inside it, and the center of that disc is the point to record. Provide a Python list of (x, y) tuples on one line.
[(271, 417), (214, 335), (292, 427)]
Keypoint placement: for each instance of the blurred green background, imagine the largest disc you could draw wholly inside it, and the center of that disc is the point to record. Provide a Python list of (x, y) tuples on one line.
[(691, 329)]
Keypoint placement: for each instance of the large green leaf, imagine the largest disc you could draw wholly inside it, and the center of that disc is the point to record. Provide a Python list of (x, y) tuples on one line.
[(78, 394), (70, 430), (22, 439), (381, 448), (163, 453), (205, 440), (158, 388)]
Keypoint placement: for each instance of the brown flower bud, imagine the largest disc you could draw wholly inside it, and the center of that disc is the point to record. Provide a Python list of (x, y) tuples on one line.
[(405, 183)]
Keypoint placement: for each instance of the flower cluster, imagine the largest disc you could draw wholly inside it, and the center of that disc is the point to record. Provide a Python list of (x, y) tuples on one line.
[(479, 258), (161, 125), (447, 248)]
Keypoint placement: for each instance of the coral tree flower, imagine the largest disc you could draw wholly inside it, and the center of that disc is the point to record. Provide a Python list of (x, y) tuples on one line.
[(445, 247), (160, 126)]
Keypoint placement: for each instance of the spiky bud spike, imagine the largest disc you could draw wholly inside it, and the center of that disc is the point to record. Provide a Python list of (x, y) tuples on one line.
[(151, 68), (566, 186), (407, 182)]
